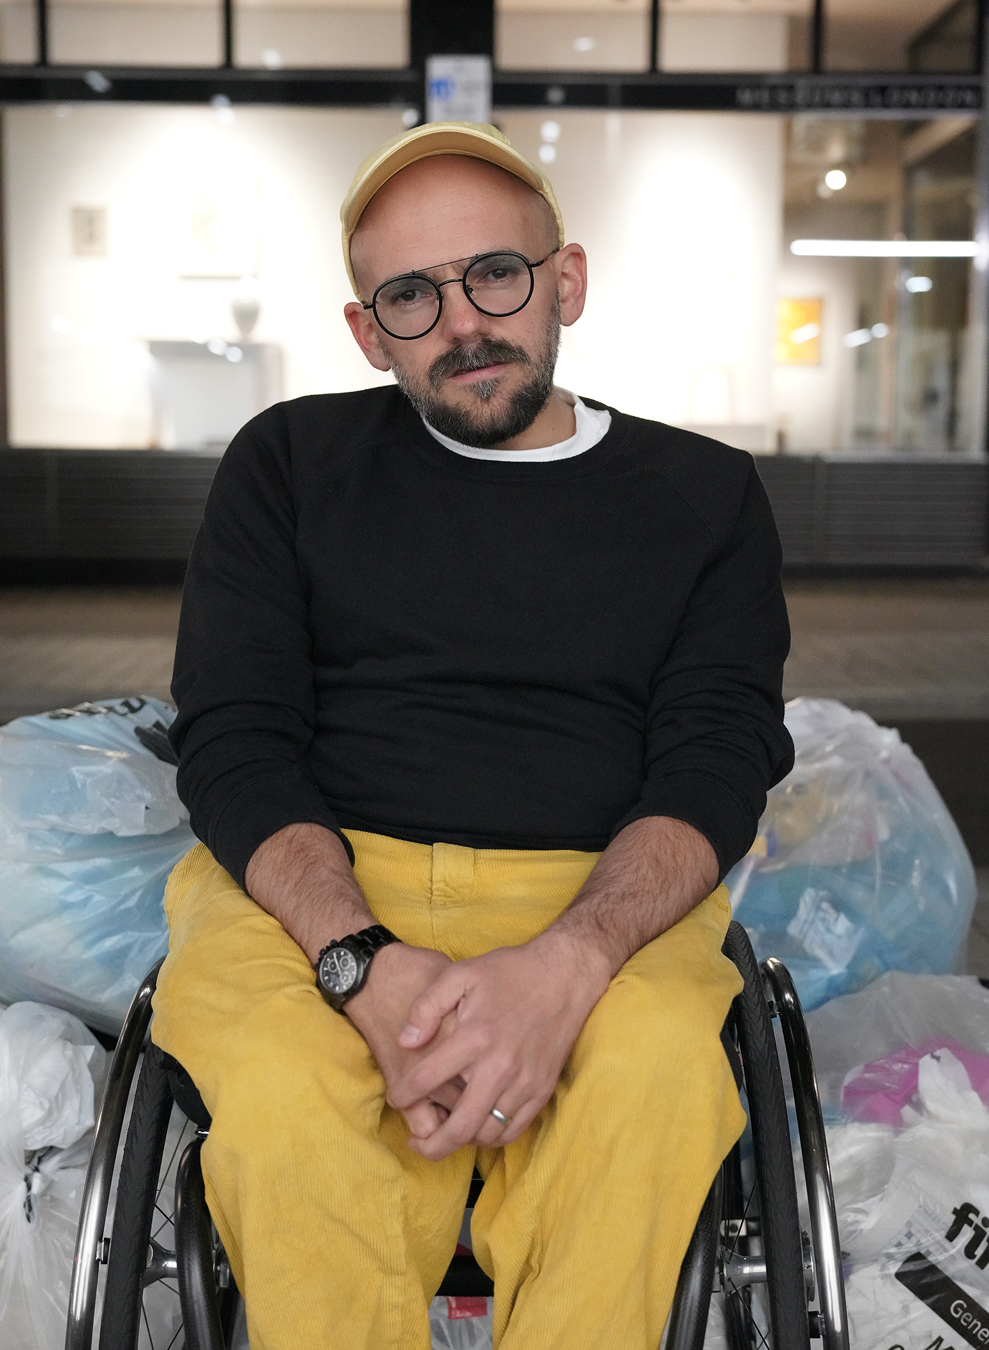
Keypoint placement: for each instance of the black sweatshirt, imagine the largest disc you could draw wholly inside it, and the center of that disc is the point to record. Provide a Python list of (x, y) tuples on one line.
[(381, 634)]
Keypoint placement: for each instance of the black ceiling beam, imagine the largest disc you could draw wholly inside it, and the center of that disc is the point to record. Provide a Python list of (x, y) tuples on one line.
[(450, 28), (858, 95)]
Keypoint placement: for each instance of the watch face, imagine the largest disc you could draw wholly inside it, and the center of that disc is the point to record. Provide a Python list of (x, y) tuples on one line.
[(338, 970)]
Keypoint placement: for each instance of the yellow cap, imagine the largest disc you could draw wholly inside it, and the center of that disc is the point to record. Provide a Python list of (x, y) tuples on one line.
[(477, 140)]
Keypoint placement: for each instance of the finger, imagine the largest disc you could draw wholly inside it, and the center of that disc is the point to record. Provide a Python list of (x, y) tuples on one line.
[(465, 1122), (442, 1065), (424, 1118), (521, 1108), (447, 1096), (520, 1121), (429, 1009)]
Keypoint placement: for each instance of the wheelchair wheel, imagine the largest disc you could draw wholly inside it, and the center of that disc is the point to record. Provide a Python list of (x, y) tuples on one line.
[(142, 1309), (762, 1271)]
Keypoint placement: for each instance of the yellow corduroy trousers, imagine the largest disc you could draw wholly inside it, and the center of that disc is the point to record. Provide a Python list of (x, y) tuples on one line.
[(337, 1233)]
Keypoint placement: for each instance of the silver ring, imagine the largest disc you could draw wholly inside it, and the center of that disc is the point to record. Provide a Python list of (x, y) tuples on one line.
[(498, 1116)]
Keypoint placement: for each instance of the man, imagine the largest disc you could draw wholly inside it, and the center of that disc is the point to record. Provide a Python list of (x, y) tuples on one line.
[(493, 673)]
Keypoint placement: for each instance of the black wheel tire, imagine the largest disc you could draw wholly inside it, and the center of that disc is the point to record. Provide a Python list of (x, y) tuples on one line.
[(134, 1216), (137, 1189), (779, 1221)]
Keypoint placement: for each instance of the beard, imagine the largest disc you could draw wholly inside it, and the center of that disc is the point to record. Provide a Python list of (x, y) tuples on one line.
[(478, 424)]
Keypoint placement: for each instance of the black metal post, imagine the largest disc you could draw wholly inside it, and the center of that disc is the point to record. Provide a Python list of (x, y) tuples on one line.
[(448, 28), (980, 278), (228, 33), (817, 38), (654, 36), (41, 23)]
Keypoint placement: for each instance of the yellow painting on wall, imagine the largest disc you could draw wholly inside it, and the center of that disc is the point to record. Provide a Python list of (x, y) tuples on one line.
[(798, 332)]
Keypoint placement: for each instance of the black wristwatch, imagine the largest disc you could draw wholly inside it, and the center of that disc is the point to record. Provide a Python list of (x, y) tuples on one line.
[(342, 967)]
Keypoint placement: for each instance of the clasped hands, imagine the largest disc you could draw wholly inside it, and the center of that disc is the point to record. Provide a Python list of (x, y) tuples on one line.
[(453, 1039)]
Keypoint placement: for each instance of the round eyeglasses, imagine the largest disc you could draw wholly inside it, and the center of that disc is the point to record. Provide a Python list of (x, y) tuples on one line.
[(496, 284)]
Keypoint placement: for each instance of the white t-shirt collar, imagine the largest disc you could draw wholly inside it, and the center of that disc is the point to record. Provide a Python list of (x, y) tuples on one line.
[(592, 426)]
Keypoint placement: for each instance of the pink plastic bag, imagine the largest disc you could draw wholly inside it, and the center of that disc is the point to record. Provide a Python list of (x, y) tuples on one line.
[(878, 1092)]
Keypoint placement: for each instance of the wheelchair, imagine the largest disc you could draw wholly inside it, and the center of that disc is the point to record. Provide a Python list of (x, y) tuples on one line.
[(775, 1286)]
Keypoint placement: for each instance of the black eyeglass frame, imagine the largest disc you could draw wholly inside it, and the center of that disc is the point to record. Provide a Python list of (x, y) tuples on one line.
[(437, 286)]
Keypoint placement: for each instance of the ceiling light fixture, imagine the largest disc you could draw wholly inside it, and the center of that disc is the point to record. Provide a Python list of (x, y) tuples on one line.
[(884, 248)]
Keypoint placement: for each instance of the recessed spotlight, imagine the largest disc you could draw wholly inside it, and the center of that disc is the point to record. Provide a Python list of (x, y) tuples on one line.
[(836, 179), (272, 58), (547, 153), (879, 330), (550, 131), (584, 44), (916, 284)]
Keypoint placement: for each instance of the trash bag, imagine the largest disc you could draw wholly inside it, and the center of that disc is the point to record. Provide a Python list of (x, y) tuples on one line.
[(457, 1323), (904, 1071), (858, 867), (90, 827), (50, 1071)]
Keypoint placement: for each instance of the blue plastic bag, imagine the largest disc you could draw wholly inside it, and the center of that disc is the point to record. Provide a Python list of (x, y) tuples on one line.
[(858, 867), (90, 828)]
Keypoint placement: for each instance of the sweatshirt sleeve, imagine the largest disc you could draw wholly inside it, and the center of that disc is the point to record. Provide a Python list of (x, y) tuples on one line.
[(243, 678), (715, 739)]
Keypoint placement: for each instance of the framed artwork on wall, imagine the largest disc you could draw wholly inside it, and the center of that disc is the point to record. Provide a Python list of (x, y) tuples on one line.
[(798, 332), (220, 229)]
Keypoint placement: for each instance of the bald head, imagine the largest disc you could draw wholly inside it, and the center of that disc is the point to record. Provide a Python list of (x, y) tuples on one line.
[(444, 208)]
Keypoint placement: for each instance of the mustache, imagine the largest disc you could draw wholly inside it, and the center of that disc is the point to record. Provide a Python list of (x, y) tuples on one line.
[(489, 352)]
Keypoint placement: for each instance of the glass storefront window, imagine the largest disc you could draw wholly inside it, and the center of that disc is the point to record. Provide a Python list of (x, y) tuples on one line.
[(694, 35), (173, 270), (331, 33), (576, 35), (950, 42), (712, 35), (18, 32), (895, 368), (134, 32), (877, 35)]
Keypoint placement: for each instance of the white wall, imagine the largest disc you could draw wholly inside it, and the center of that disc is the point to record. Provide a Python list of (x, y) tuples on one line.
[(681, 217), (79, 325)]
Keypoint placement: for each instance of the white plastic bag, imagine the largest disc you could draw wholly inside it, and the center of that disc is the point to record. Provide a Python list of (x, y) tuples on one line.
[(461, 1323), (47, 1065), (913, 1210), (858, 867), (892, 1023), (90, 827), (903, 1066)]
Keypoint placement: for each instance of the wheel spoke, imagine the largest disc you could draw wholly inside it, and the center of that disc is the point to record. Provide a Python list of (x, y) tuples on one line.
[(738, 1231), (147, 1327), (163, 1175), (734, 1293)]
